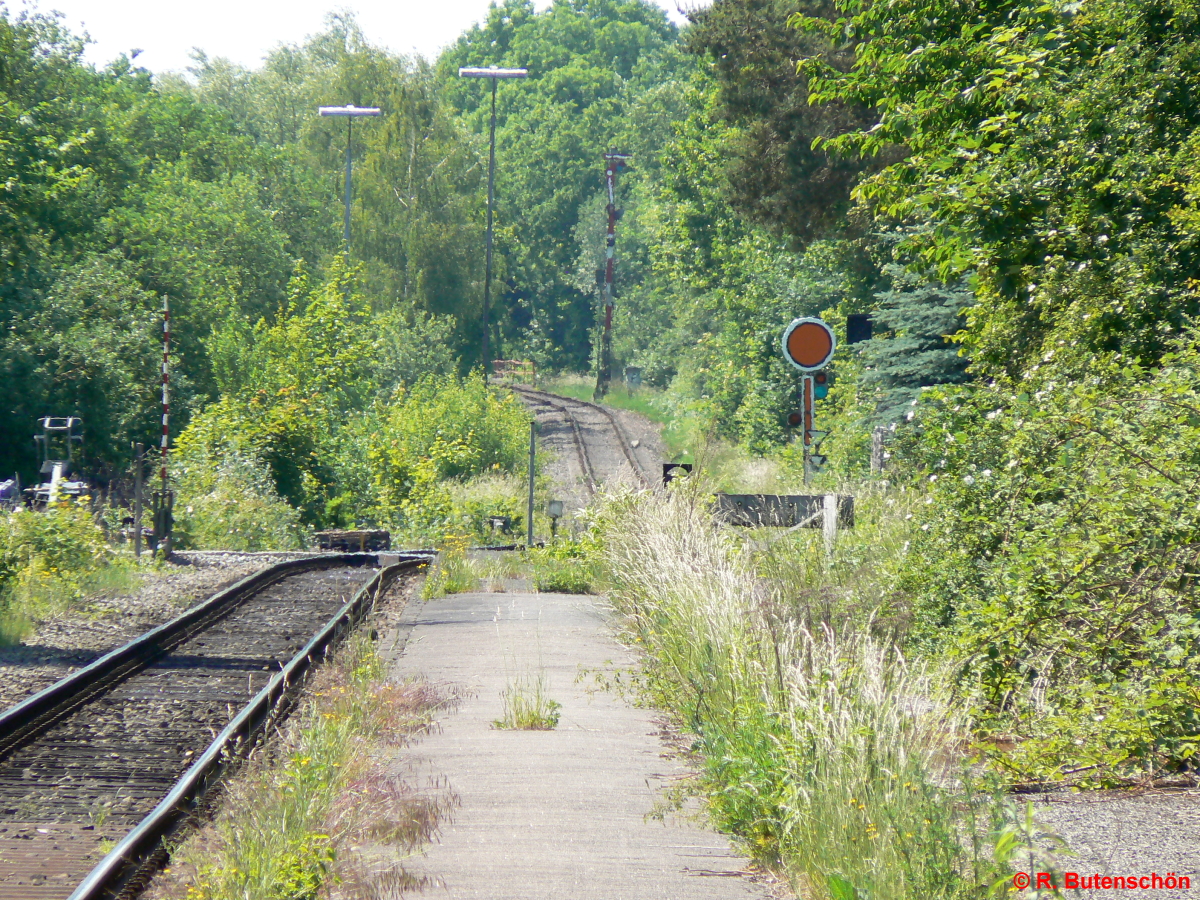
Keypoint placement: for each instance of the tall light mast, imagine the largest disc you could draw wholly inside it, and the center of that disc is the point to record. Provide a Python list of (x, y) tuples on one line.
[(494, 73)]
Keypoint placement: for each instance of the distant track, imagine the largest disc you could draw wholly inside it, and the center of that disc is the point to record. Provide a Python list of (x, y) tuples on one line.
[(590, 442), (133, 740)]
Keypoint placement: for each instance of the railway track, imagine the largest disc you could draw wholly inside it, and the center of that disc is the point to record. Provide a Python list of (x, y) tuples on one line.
[(123, 750), (596, 433)]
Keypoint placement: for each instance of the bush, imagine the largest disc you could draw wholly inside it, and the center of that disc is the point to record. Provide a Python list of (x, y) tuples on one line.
[(48, 560), (568, 565), (1055, 564), (230, 503), (439, 432), (476, 501)]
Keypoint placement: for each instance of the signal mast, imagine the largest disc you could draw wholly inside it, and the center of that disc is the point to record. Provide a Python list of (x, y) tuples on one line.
[(614, 163)]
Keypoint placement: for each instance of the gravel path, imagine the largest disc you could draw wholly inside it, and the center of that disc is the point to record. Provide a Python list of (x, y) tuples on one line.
[(1118, 833), (76, 638)]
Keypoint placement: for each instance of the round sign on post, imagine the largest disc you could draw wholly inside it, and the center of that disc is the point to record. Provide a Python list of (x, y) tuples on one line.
[(808, 344)]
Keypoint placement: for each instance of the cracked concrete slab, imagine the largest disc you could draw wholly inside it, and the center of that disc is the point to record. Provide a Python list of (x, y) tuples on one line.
[(566, 813)]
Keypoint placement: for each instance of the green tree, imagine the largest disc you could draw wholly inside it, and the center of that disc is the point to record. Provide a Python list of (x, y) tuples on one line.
[(583, 57), (1047, 147), (910, 350), (93, 349), (780, 174)]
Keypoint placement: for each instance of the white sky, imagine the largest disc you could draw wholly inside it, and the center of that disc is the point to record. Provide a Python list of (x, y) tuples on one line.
[(246, 30)]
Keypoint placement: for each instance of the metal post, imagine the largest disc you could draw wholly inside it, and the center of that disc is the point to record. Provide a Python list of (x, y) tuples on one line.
[(806, 416), (610, 249), (493, 73), (532, 472), (350, 112), (139, 466), (349, 166), (604, 376), (166, 389), (166, 413), (487, 277)]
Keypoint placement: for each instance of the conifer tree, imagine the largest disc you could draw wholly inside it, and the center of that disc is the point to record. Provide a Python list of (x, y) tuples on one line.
[(912, 350)]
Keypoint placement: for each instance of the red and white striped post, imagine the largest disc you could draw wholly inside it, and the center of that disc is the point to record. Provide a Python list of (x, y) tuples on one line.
[(613, 163), (166, 389)]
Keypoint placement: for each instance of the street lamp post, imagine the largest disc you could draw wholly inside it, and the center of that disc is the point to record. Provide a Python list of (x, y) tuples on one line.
[(350, 113), (495, 74)]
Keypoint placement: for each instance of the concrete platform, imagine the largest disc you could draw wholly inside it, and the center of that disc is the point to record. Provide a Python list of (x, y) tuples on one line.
[(563, 814)]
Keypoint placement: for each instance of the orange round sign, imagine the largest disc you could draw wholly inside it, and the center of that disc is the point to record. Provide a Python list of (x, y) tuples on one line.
[(808, 344)]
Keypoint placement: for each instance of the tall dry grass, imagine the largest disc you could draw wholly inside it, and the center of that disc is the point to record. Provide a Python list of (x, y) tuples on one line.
[(294, 822), (828, 751)]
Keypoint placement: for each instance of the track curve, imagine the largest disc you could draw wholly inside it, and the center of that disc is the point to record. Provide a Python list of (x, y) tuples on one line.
[(603, 450)]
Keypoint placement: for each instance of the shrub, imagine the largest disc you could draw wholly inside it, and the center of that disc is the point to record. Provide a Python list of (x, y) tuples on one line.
[(48, 560), (1055, 563), (229, 502), (568, 565), (440, 432)]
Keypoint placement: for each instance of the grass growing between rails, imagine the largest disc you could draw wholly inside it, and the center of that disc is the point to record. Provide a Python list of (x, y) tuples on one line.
[(291, 820), (828, 751)]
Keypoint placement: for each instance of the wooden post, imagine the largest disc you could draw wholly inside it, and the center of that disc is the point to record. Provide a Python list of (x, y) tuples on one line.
[(830, 522), (877, 450), (532, 473), (138, 466)]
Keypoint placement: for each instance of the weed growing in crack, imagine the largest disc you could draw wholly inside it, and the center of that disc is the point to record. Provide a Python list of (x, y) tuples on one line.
[(527, 707)]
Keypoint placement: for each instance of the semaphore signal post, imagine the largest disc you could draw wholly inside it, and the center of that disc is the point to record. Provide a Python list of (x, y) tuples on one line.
[(614, 163), (808, 345)]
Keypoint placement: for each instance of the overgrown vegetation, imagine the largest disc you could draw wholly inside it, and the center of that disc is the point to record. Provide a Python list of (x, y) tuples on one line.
[(567, 565), (823, 745), (50, 560), (1055, 566), (1008, 188), (294, 818)]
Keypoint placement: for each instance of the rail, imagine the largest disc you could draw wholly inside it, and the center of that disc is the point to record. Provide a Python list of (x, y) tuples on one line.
[(622, 439), (138, 852)]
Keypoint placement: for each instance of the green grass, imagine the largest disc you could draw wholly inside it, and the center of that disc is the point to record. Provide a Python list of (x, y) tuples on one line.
[(527, 706), (52, 561), (567, 565), (832, 755), (291, 822), (452, 572)]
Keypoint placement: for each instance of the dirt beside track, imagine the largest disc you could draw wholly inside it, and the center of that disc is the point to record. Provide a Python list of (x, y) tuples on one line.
[(591, 445)]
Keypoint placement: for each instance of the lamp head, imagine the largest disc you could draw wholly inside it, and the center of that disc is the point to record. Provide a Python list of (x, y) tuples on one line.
[(491, 72), (349, 111)]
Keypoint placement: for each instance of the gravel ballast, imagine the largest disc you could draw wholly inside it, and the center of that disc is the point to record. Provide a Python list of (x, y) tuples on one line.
[(66, 642)]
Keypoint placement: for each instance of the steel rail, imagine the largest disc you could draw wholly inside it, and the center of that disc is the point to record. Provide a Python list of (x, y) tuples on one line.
[(580, 449), (622, 438), (26, 719), (136, 851)]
